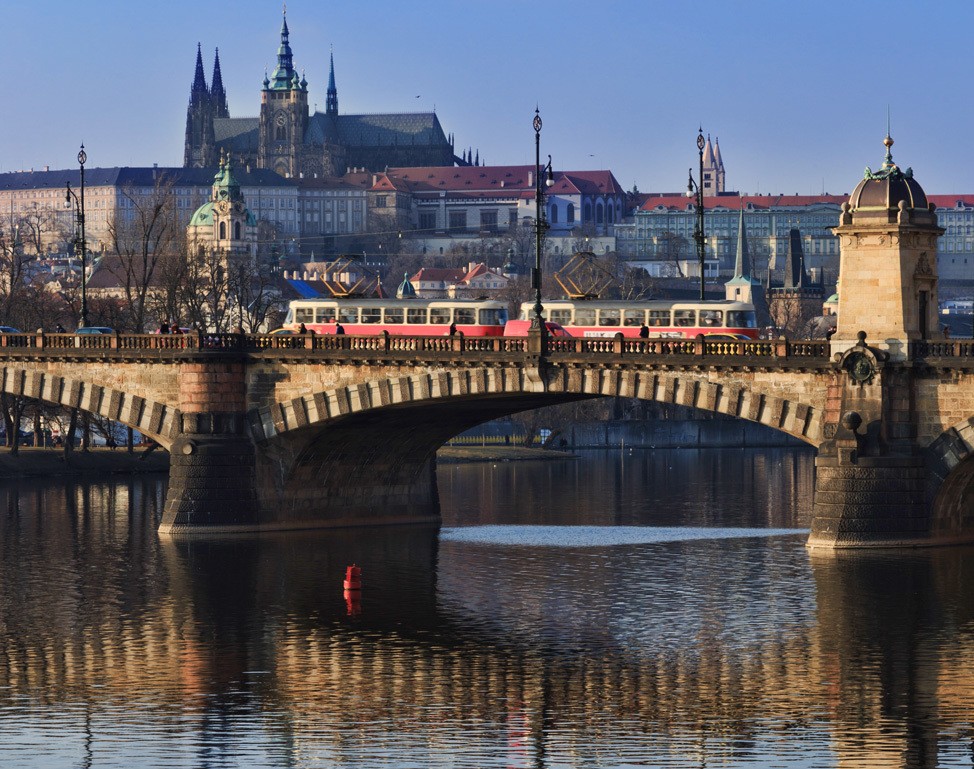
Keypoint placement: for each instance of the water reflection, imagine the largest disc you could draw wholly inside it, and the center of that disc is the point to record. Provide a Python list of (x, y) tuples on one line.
[(121, 649)]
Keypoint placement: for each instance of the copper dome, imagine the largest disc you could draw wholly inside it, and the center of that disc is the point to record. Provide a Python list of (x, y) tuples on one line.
[(888, 187)]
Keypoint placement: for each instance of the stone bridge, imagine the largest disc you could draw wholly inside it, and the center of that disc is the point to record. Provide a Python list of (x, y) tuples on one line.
[(279, 432)]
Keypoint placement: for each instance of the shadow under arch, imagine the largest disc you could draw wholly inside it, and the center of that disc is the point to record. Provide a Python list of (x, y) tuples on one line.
[(363, 453), (950, 479), (153, 419)]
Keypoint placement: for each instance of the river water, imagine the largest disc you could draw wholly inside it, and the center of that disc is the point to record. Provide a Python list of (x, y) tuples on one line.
[(623, 609)]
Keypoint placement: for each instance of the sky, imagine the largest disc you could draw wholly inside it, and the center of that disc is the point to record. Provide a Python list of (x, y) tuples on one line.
[(796, 92)]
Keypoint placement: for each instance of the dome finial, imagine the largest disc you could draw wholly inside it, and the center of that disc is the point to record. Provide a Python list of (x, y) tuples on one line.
[(888, 143)]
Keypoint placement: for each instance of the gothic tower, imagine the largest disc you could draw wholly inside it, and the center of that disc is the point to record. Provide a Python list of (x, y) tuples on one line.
[(331, 105), (218, 96), (283, 115), (713, 169), (200, 148)]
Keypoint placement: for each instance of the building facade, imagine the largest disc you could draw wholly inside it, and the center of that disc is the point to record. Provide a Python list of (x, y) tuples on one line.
[(290, 139)]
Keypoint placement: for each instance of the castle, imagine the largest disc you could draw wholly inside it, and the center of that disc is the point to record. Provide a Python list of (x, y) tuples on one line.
[(289, 139)]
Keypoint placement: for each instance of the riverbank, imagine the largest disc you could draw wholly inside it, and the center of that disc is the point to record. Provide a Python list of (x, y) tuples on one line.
[(458, 454), (35, 462)]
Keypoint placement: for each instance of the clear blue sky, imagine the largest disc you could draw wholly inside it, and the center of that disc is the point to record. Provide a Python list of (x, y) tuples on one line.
[(797, 92)]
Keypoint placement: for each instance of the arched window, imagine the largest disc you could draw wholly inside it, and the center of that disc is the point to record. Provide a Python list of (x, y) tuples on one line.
[(554, 214), (587, 212), (598, 212), (280, 133), (236, 230), (609, 214), (223, 230), (570, 217)]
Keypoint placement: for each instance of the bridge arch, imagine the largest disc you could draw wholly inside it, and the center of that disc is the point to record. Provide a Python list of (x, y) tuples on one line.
[(950, 477), (503, 391), (156, 420)]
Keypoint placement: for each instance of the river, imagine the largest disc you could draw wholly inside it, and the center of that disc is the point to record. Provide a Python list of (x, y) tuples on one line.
[(622, 609)]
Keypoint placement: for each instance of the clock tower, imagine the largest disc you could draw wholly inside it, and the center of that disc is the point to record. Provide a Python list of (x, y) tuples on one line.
[(224, 227), (283, 114)]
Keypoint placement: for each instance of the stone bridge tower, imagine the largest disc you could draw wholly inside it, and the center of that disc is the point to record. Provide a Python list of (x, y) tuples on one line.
[(872, 481)]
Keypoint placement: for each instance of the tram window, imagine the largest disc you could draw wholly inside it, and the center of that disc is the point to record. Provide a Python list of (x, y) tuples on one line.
[(584, 317), (371, 314), (324, 314), (464, 316), (659, 318), (440, 315), (632, 317), (304, 315), (416, 315), (608, 317), (393, 314), (684, 317), (563, 317), (711, 317), (741, 319), (493, 317), (348, 314)]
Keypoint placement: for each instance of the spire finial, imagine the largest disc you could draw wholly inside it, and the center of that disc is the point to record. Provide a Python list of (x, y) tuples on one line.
[(888, 142)]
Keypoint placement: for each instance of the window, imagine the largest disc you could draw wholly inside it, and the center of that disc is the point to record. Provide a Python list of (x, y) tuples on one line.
[(659, 318), (741, 319), (598, 213), (632, 317), (587, 213), (492, 317), (488, 221), (440, 315), (684, 317), (325, 315), (380, 201), (427, 220), (236, 230), (416, 315), (393, 314), (223, 230), (570, 215), (608, 317), (711, 318), (564, 317), (512, 218), (304, 315), (584, 317), (371, 314), (554, 214), (348, 314), (464, 316), (458, 221)]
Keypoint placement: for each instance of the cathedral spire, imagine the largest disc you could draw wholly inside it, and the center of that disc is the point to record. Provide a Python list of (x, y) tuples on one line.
[(217, 91), (200, 91), (284, 74), (331, 103)]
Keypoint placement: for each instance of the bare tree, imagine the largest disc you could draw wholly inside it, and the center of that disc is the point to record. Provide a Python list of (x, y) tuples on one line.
[(38, 228), (144, 230)]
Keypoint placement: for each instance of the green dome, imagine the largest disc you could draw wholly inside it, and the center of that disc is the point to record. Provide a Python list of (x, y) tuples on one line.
[(203, 216)]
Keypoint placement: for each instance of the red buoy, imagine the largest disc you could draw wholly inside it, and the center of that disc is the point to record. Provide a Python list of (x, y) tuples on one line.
[(353, 578)]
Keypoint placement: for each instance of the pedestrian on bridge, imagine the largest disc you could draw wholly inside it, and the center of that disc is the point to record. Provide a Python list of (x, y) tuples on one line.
[(339, 329)]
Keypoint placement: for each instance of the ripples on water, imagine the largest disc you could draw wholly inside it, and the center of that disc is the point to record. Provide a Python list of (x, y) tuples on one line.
[(603, 612)]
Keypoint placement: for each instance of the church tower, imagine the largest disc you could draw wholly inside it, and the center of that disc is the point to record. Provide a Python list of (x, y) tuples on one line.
[(713, 169), (224, 226), (200, 150), (283, 115), (331, 104)]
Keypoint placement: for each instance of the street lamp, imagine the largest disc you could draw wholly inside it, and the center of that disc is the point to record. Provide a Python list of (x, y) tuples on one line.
[(540, 224), (81, 245), (698, 234)]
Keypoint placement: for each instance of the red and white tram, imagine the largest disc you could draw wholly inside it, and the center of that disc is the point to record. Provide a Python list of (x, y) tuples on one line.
[(663, 318), (412, 317)]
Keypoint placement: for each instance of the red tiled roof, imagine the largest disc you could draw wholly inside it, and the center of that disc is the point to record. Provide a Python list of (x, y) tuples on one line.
[(438, 274), (501, 180)]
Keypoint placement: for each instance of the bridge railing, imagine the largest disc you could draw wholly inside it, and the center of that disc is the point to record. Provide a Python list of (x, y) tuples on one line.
[(445, 344), (959, 350)]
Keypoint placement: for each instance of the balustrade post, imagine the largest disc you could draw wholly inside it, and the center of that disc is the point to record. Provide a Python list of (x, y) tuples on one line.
[(114, 341), (781, 347), (617, 343), (698, 344), (385, 340), (456, 342)]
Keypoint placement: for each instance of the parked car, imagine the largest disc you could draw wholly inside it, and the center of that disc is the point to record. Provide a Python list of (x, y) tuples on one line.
[(9, 330), (95, 330)]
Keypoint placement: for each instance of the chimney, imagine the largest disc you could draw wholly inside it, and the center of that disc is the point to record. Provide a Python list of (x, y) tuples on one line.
[(530, 178), (47, 168)]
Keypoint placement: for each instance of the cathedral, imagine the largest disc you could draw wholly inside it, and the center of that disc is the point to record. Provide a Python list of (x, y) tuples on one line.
[(287, 138)]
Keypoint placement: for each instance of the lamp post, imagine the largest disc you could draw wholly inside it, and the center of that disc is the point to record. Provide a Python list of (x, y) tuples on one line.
[(81, 245), (698, 234), (540, 224)]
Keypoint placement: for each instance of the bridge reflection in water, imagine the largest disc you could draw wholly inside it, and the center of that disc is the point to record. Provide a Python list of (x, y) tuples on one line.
[(243, 650)]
